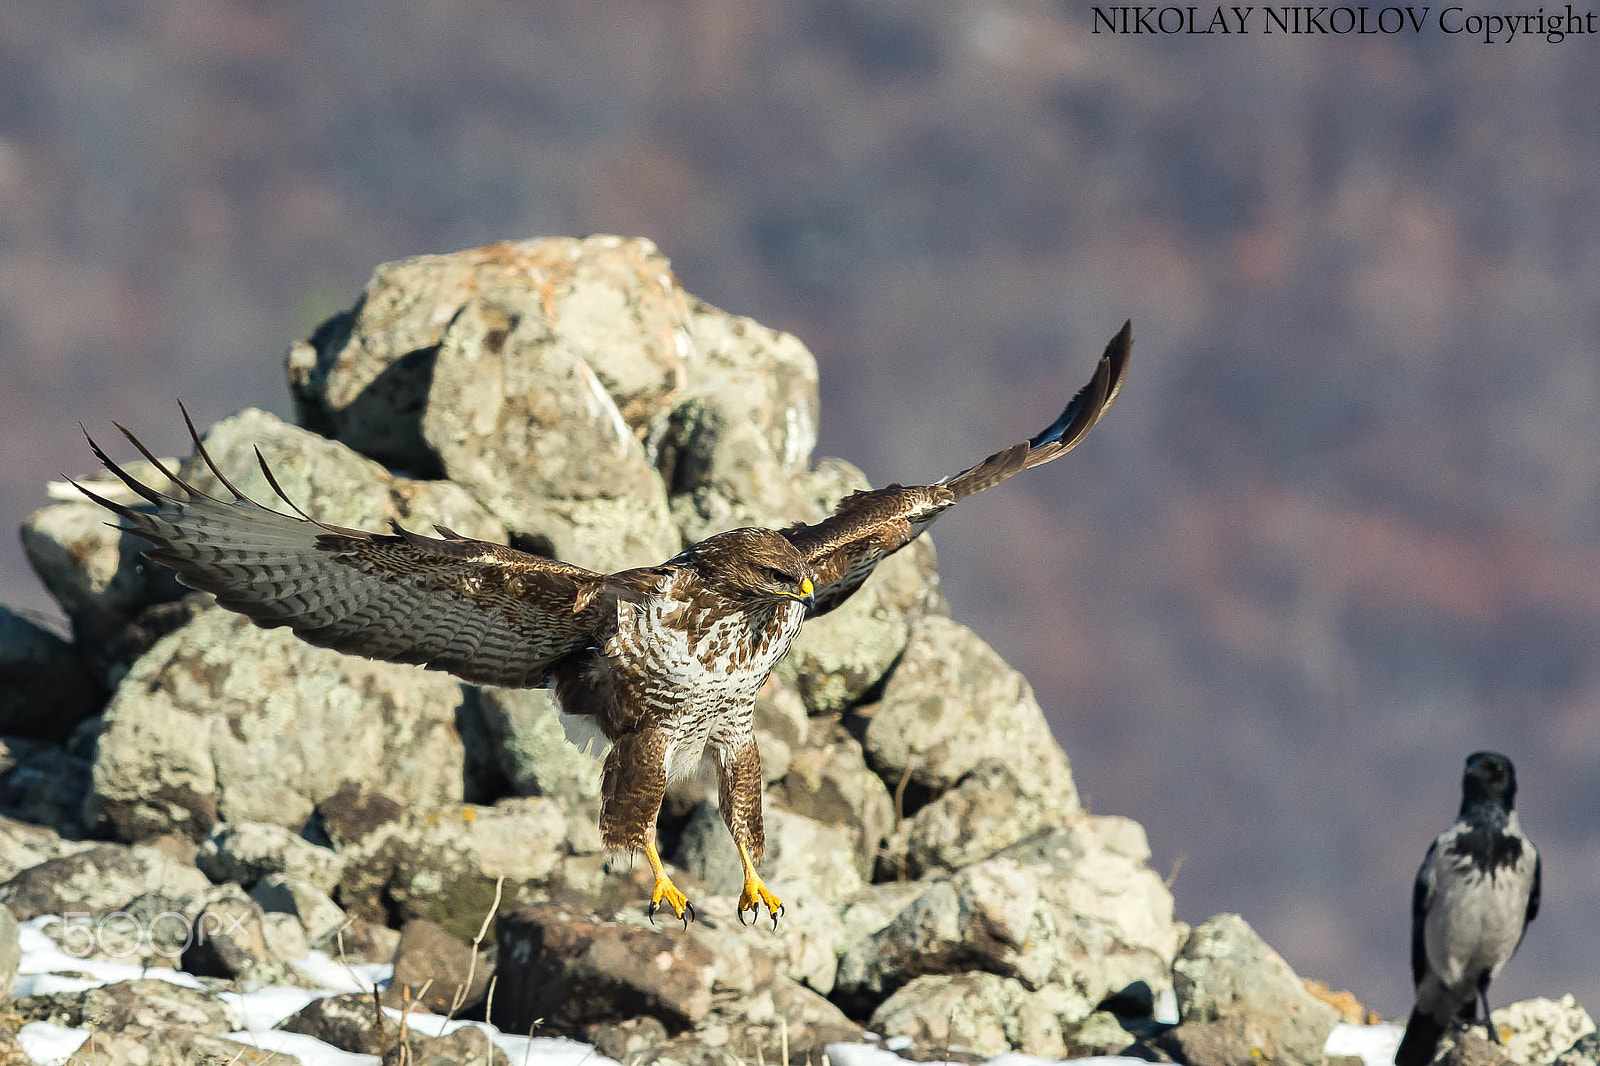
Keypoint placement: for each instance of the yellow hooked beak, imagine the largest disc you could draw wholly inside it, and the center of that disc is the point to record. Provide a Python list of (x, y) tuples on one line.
[(807, 594)]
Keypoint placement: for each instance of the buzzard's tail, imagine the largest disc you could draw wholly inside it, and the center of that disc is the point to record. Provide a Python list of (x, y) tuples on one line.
[(1421, 1039), (1062, 435)]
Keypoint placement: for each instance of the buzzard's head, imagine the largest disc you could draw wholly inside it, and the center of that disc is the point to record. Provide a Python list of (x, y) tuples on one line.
[(754, 564)]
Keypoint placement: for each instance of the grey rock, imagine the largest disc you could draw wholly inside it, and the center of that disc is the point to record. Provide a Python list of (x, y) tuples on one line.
[(572, 973), (497, 368), (223, 721), (951, 704), (1228, 979), (43, 783), (804, 857), (172, 1046), (875, 906), (758, 1026), (516, 417), (808, 944), (979, 919), (366, 376), (1537, 1030), (828, 781), (10, 952), (98, 879), (314, 909), (438, 971), (1070, 909), (442, 863), (603, 534), (1224, 1042), (705, 851), (46, 688), (93, 570), (350, 1022), (781, 727), (466, 1046), (11, 1052), (808, 858), (751, 375), (285, 936), (248, 851), (229, 940), (1107, 1033), (734, 451), (977, 1013), (628, 1040), (422, 505), (146, 1004), (990, 808), (532, 748), (1585, 1051), (359, 940), (150, 930)]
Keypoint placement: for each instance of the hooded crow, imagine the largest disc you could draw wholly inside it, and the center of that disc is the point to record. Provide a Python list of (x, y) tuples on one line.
[(1476, 892)]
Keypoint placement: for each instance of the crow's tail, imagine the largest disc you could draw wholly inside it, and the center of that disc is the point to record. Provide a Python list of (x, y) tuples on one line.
[(1422, 1037)]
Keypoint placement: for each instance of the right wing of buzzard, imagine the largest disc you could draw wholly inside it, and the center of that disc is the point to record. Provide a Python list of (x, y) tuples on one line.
[(487, 613)]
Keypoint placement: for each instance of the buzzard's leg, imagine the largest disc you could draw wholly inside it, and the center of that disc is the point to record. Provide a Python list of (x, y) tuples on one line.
[(632, 784), (739, 794)]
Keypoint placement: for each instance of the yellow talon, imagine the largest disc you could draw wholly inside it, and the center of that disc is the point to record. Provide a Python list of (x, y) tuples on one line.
[(755, 894), (754, 897), (666, 891)]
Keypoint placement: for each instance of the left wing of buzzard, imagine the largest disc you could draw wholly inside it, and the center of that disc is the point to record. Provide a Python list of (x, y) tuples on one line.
[(482, 611)]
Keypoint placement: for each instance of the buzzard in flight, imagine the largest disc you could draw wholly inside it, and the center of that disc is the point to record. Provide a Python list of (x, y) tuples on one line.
[(664, 660)]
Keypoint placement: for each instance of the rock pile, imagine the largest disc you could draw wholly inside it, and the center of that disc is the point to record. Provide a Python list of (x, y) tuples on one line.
[(179, 766)]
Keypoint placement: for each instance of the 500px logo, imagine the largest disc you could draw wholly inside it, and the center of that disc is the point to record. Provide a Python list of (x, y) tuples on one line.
[(120, 934)]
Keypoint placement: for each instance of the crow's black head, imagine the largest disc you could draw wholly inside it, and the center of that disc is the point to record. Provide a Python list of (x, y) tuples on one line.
[(1489, 778)]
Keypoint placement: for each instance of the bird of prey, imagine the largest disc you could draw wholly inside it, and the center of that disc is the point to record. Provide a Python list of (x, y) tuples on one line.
[(664, 661), (1476, 892)]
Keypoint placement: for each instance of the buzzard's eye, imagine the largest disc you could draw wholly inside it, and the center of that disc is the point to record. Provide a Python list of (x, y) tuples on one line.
[(777, 577)]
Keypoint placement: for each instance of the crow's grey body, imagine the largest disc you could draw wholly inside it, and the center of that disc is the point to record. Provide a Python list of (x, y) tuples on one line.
[(1475, 894)]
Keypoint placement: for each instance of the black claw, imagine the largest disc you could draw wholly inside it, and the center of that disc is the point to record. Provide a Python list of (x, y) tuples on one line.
[(775, 916), (688, 914), (740, 913), (650, 912)]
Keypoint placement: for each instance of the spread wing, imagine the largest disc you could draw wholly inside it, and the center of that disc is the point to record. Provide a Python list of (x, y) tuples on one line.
[(482, 611), (845, 547)]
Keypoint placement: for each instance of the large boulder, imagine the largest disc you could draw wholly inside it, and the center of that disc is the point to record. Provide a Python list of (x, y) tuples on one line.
[(442, 863), (223, 721), (367, 376), (735, 448), (526, 373), (951, 704), (98, 879), (1237, 997), (1074, 915)]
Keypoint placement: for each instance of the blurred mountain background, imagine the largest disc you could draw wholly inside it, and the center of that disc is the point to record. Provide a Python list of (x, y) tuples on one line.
[(1342, 528)]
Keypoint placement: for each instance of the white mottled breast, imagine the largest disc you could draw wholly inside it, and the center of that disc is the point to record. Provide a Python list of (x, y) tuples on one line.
[(695, 666)]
